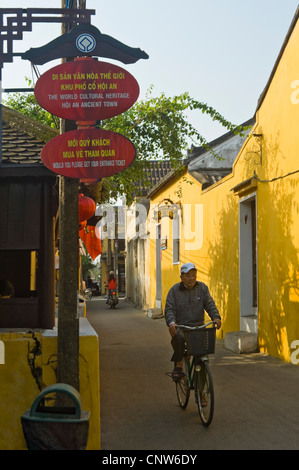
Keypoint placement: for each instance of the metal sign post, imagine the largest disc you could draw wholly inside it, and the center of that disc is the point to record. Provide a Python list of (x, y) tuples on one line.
[(68, 311)]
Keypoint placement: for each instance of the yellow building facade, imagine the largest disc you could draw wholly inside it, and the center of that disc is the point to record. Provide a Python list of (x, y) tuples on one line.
[(28, 362), (243, 232)]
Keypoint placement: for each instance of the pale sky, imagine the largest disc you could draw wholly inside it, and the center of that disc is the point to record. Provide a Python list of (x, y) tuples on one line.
[(220, 51)]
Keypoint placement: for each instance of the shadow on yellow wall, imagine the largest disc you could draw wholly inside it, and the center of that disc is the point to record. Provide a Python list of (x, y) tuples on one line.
[(223, 253), (278, 266)]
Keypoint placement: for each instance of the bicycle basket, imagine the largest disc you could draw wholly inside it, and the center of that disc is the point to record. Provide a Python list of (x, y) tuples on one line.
[(200, 342)]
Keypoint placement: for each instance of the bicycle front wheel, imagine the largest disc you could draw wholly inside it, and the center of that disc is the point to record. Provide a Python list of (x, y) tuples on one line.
[(183, 388), (88, 296), (204, 392)]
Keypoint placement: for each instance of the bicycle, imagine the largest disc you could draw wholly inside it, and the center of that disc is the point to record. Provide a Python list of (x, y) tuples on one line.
[(87, 294), (200, 341)]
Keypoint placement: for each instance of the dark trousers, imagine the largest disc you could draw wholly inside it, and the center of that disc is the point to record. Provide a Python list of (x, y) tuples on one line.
[(178, 343)]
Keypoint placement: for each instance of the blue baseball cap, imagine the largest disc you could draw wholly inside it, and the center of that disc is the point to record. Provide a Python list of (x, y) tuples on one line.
[(186, 267)]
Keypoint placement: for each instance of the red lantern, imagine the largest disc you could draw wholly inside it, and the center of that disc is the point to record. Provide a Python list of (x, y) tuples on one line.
[(87, 208)]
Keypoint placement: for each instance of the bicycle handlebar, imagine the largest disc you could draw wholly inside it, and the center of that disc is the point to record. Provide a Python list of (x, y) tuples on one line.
[(196, 327)]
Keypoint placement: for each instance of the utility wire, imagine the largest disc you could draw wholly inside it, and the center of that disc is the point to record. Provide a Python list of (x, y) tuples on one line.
[(274, 179)]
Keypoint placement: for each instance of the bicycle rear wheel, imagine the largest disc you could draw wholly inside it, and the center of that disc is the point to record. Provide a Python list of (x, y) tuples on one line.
[(183, 388), (204, 393)]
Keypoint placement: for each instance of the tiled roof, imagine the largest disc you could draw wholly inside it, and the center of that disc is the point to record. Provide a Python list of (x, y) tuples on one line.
[(206, 172), (23, 138), (208, 177), (155, 171), (19, 147), (196, 152)]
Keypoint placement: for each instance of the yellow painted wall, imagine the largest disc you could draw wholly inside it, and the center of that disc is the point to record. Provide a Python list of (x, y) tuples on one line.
[(278, 120), (19, 387), (276, 166), (215, 251)]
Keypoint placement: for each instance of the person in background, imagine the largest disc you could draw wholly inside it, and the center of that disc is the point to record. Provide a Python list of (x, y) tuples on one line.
[(111, 284)]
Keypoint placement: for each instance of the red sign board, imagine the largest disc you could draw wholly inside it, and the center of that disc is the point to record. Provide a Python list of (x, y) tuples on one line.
[(88, 154), (86, 90)]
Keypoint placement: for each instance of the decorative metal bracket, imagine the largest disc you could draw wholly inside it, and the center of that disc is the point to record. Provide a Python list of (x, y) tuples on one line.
[(257, 150), (19, 20)]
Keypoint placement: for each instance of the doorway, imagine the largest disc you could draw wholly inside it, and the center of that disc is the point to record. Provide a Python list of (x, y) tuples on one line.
[(248, 264)]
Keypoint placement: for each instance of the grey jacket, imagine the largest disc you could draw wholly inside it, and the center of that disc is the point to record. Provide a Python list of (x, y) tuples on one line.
[(186, 306)]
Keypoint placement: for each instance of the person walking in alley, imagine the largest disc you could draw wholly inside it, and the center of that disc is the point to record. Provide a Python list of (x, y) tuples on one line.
[(186, 303)]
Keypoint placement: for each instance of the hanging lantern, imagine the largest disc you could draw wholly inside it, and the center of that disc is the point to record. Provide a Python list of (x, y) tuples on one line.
[(87, 207)]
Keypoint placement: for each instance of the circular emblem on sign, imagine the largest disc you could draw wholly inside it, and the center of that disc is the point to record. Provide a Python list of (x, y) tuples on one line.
[(85, 43)]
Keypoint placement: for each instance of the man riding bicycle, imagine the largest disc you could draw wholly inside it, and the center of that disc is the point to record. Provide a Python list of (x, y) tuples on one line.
[(186, 303)]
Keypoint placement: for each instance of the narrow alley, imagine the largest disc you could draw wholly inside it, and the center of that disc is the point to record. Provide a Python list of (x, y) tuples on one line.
[(256, 396)]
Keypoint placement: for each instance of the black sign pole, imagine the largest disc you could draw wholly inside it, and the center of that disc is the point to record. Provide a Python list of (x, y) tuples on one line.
[(68, 316), (0, 116)]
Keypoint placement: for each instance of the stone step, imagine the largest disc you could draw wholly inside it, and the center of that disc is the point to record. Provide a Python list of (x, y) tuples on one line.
[(241, 342)]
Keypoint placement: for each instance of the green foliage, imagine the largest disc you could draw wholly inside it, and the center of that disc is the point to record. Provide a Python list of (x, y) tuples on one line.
[(157, 126), (159, 129), (87, 265)]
